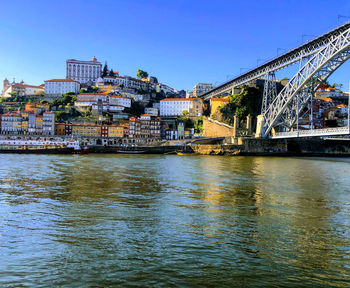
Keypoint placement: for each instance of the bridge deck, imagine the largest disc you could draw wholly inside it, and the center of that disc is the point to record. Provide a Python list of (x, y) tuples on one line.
[(338, 131)]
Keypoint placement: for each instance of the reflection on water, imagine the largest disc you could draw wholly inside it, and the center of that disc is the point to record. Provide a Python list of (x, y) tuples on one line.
[(111, 220)]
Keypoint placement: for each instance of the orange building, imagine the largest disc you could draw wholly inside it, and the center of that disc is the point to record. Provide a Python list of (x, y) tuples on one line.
[(60, 129), (217, 103), (115, 131)]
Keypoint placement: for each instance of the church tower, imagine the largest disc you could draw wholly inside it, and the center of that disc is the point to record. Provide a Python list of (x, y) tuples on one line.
[(6, 83)]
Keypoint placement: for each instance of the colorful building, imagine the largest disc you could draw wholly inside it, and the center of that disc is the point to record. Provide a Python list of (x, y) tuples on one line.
[(217, 103)]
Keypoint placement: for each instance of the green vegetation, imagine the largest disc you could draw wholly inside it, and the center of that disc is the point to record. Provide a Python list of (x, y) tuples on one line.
[(248, 102), (104, 71), (68, 98), (198, 126), (185, 118), (141, 74), (160, 95), (136, 109), (111, 73), (62, 116)]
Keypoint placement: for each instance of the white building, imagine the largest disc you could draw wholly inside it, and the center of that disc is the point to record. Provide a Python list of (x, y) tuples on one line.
[(11, 123), (92, 97), (151, 111), (165, 88), (21, 89), (85, 72), (61, 86), (49, 123), (112, 103), (106, 107), (202, 88), (120, 100), (175, 106)]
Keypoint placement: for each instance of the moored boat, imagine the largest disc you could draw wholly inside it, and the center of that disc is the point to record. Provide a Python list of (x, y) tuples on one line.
[(130, 151), (184, 153), (41, 147)]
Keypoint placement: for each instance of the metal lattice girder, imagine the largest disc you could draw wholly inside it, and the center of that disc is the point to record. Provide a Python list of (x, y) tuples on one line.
[(296, 108), (280, 62), (319, 67), (270, 91)]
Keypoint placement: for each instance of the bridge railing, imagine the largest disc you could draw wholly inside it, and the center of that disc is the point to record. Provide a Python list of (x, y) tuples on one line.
[(313, 133)]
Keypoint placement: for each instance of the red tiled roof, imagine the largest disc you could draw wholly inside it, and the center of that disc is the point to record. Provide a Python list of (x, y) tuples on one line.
[(61, 80), (179, 99), (19, 85)]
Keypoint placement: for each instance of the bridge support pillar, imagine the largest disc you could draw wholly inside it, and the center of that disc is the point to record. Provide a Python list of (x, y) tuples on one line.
[(260, 130), (235, 126), (249, 124)]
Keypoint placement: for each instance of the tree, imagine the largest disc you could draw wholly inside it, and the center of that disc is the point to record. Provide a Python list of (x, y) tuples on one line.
[(104, 71), (111, 73), (248, 102), (14, 94), (198, 126), (185, 118), (141, 74), (136, 109)]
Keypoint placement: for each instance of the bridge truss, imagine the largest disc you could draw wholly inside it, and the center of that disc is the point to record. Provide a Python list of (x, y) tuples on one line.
[(318, 59)]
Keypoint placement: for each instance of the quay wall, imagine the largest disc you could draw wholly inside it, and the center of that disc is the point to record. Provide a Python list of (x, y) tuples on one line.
[(230, 146), (278, 147)]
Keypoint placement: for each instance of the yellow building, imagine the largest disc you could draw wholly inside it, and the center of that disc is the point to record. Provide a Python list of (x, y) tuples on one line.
[(39, 124), (104, 87), (115, 131), (91, 130), (217, 103), (60, 129)]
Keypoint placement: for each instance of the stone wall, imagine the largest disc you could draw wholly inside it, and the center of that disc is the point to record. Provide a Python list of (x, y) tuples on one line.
[(212, 129)]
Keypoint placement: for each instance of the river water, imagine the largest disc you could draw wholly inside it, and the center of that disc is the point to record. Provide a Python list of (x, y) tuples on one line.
[(174, 221)]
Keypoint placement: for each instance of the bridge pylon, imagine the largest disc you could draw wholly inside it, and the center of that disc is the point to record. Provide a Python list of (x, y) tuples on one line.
[(270, 91)]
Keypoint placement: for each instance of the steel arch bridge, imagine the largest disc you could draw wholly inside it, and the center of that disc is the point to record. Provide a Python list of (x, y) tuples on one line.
[(318, 59)]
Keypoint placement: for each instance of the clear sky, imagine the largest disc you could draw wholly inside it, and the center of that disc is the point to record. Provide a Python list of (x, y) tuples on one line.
[(181, 42)]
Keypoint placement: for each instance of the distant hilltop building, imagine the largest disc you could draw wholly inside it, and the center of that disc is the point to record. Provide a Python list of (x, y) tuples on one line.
[(85, 72), (21, 89), (202, 88)]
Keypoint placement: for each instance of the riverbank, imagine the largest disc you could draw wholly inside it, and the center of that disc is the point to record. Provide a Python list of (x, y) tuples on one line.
[(279, 147), (247, 147), (232, 147)]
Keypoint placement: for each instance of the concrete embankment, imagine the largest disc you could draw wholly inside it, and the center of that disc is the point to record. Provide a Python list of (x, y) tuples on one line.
[(286, 147), (145, 149)]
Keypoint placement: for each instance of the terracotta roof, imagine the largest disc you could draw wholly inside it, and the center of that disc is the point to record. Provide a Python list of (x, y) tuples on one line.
[(91, 94), (25, 86), (179, 99), (220, 99), (61, 80), (117, 96)]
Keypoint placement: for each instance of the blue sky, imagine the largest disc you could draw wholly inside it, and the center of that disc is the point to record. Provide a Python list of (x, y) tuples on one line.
[(181, 42)]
